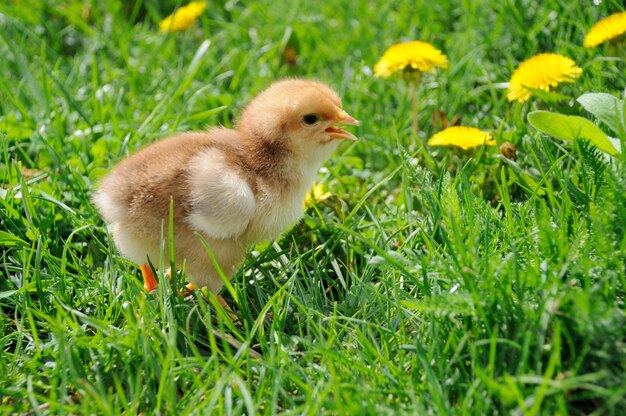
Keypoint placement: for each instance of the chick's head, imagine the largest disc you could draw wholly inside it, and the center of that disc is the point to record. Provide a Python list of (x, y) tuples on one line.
[(300, 115)]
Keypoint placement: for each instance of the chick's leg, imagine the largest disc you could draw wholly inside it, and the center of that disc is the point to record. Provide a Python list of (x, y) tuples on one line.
[(225, 305), (150, 284), (233, 317), (149, 281), (191, 287)]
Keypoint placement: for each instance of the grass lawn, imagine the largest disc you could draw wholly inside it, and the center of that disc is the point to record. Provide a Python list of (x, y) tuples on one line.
[(432, 280)]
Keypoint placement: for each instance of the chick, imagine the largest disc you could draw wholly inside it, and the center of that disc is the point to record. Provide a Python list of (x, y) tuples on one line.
[(234, 187)]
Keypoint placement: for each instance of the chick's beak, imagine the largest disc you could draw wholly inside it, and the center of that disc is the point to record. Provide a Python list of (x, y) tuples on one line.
[(338, 133)]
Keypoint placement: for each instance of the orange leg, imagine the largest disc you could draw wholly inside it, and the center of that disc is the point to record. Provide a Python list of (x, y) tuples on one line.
[(149, 281), (190, 288), (150, 284), (222, 302), (228, 310)]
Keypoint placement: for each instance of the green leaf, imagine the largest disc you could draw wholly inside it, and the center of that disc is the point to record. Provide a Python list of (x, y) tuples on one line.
[(7, 293), (577, 194), (606, 108), (522, 177), (624, 111), (204, 115), (570, 128), (99, 151), (9, 240)]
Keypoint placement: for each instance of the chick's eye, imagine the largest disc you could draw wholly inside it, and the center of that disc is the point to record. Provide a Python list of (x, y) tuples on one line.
[(310, 119)]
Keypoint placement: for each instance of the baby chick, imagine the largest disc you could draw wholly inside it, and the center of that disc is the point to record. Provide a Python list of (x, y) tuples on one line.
[(234, 187)]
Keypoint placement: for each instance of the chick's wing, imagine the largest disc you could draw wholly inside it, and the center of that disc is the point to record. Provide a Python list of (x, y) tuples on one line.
[(222, 201)]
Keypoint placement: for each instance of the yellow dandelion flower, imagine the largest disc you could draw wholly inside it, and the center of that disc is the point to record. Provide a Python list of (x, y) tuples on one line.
[(316, 194), (463, 137), (541, 72), (607, 28), (183, 18), (413, 56)]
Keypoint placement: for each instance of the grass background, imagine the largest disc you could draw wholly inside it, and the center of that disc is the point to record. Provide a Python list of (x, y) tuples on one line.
[(433, 281)]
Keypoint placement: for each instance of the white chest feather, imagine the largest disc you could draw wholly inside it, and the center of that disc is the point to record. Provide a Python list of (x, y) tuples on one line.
[(279, 206), (224, 205), (275, 212)]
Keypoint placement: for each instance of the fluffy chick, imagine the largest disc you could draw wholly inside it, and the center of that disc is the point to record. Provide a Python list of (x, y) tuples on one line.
[(235, 187)]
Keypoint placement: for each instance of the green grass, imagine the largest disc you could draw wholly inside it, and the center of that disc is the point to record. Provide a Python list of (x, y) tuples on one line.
[(433, 281)]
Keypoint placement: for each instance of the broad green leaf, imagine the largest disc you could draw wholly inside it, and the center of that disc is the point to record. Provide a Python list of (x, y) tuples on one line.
[(607, 108), (571, 128), (617, 144)]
